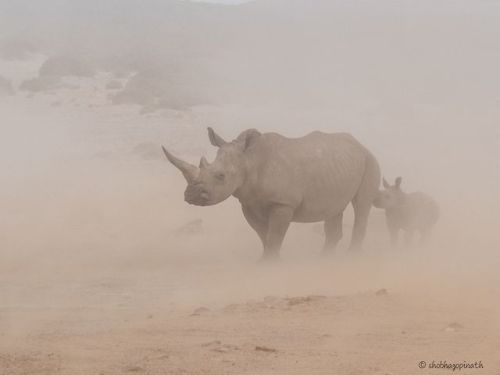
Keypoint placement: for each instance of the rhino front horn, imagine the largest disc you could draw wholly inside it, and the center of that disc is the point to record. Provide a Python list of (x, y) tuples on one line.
[(204, 163), (189, 171)]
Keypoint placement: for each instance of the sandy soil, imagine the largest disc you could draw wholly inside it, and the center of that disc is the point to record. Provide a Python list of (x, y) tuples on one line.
[(100, 275), (214, 319)]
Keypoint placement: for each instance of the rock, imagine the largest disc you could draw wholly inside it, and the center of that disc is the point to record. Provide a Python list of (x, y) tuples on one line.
[(200, 310), (65, 67), (219, 347), (191, 228), (453, 327), (303, 300), (232, 307), (156, 89), (265, 349), (134, 369), (39, 84), (222, 349), (212, 343)]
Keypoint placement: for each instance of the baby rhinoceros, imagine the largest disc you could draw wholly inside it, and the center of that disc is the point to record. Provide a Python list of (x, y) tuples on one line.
[(410, 212)]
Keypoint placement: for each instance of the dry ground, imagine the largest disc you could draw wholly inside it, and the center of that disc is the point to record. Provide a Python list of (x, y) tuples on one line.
[(220, 322), (96, 277)]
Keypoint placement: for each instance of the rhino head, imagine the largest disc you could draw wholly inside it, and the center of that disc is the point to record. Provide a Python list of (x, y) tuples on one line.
[(212, 183), (391, 196)]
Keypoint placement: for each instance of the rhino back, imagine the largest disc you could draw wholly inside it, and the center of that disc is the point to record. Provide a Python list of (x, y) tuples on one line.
[(318, 174), (420, 211), (424, 208)]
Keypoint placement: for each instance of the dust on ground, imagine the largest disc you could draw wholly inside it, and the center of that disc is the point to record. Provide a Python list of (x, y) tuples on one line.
[(105, 270)]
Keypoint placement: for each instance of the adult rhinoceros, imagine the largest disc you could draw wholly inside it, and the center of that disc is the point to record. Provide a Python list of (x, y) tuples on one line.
[(279, 180)]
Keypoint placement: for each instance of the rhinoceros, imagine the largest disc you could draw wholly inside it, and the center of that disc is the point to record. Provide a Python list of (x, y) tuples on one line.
[(409, 212), (279, 180)]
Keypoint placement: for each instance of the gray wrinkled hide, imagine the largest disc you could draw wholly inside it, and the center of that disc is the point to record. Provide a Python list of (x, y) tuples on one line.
[(280, 180), (407, 212)]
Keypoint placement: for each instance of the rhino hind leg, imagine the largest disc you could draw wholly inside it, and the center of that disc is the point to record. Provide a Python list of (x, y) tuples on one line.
[(363, 200), (361, 204), (361, 213), (333, 233)]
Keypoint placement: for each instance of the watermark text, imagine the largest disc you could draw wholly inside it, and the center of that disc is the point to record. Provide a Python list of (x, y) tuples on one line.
[(451, 366)]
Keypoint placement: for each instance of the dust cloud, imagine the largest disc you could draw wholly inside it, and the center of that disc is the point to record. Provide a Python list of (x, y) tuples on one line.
[(104, 269)]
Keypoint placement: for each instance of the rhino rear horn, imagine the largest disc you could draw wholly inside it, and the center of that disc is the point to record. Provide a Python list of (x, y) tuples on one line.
[(215, 139), (189, 171), (204, 163)]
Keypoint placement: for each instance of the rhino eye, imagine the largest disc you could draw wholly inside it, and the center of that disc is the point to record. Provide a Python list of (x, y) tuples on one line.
[(220, 176)]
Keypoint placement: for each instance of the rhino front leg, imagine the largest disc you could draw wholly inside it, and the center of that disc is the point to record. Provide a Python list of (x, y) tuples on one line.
[(257, 223), (278, 222)]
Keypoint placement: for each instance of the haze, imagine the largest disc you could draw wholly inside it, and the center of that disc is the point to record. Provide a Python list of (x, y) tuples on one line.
[(102, 263)]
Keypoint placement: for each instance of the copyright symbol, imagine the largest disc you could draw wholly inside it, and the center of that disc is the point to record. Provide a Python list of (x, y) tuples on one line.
[(422, 364)]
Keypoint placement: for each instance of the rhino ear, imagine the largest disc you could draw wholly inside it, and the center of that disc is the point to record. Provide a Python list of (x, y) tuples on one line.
[(215, 139), (248, 137), (385, 183), (398, 182)]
